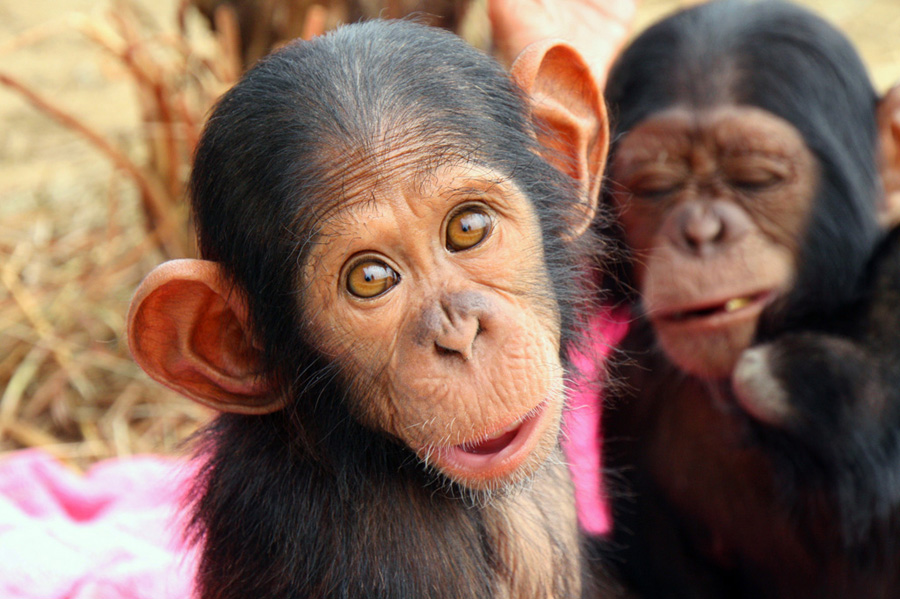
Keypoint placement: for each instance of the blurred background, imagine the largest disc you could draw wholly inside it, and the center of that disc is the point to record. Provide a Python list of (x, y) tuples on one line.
[(101, 103)]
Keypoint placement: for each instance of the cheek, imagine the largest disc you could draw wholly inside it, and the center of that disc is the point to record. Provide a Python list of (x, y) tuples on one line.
[(639, 220), (358, 341), (362, 344), (783, 217)]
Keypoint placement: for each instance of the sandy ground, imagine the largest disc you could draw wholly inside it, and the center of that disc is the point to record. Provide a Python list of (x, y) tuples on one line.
[(42, 163), (52, 181)]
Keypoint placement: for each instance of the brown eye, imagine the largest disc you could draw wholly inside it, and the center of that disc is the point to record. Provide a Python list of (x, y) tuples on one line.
[(370, 278), (755, 173), (467, 229), (754, 180), (655, 184)]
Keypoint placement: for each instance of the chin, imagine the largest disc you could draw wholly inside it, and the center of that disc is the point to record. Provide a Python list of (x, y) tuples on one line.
[(710, 354)]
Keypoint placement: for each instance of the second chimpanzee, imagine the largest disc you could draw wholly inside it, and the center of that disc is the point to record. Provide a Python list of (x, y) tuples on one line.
[(745, 177), (392, 232)]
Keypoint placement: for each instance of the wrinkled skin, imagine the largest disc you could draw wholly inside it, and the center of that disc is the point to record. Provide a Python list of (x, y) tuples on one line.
[(392, 265), (460, 345), (712, 204)]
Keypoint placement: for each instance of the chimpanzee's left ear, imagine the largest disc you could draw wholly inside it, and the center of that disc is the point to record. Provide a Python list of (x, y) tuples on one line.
[(568, 108), (889, 155)]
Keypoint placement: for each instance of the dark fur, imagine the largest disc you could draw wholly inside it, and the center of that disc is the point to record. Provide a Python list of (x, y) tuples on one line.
[(838, 456), (706, 502), (307, 502)]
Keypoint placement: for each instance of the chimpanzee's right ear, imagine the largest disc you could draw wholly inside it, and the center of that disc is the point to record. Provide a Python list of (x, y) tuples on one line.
[(189, 330), (889, 156)]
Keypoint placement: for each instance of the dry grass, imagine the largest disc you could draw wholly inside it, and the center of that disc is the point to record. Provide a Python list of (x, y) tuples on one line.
[(69, 383), (75, 241)]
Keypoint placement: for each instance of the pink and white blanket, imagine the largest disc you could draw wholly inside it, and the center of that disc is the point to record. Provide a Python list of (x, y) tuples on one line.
[(111, 533)]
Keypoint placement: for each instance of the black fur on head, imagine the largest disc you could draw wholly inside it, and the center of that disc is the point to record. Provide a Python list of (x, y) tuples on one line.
[(788, 61)]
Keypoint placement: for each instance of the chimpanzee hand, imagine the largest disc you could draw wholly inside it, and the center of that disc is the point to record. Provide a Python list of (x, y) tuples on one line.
[(818, 388)]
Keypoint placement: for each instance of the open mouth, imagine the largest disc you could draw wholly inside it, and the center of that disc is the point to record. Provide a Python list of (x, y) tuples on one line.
[(498, 453), (730, 306), (493, 444)]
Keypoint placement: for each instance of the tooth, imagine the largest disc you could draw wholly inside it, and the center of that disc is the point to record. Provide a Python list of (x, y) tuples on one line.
[(495, 435), (502, 432), (736, 303)]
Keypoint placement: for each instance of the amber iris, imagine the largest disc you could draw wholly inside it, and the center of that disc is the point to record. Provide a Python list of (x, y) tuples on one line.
[(467, 228), (370, 278)]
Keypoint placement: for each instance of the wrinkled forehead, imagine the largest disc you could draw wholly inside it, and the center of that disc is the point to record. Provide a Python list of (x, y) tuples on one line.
[(729, 128), (420, 191), (400, 166)]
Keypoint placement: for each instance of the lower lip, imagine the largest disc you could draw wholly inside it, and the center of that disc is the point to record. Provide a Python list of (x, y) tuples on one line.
[(499, 457)]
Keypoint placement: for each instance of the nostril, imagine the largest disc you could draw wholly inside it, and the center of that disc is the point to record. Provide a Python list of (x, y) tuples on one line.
[(703, 229), (443, 351), (460, 351), (458, 338), (720, 235)]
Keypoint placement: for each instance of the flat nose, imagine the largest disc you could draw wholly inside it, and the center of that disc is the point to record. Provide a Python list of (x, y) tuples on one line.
[(453, 323), (700, 225)]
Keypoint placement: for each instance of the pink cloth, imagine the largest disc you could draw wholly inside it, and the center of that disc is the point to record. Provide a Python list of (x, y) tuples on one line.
[(581, 442), (110, 534)]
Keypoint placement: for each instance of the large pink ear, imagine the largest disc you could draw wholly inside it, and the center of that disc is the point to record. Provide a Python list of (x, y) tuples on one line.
[(568, 106), (188, 329), (889, 159)]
